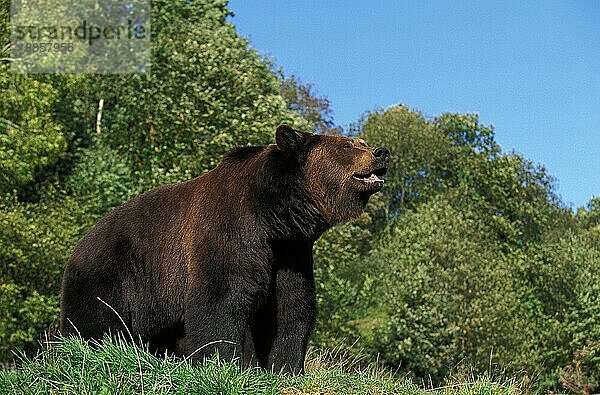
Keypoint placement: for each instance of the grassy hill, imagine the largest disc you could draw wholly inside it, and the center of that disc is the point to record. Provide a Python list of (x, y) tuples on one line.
[(114, 366)]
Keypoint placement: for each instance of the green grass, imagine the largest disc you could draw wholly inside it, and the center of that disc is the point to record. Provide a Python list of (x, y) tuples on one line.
[(71, 366)]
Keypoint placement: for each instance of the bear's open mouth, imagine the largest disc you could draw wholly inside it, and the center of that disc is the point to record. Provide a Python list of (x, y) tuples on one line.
[(372, 177)]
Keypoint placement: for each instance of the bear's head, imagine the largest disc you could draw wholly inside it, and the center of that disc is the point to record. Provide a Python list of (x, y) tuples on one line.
[(340, 174)]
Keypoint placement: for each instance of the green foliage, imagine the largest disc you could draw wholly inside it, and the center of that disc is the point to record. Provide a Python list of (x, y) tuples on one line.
[(101, 179), (35, 242), (4, 25), (20, 305), (559, 287), (207, 92), (447, 293), (342, 284), (456, 152), (30, 140), (450, 295), (465, 132), (589, 218), (302, 99), (481, 264), (421, 157)]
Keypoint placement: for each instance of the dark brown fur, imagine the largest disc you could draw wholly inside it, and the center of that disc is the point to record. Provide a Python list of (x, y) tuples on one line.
[(204, 265)]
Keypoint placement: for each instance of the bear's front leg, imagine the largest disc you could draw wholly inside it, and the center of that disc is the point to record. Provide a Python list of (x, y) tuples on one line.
[(295, 298), (215, 324)]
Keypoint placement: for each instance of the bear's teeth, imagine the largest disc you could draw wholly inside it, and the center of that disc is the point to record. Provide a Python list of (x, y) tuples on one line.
[(372, 178)]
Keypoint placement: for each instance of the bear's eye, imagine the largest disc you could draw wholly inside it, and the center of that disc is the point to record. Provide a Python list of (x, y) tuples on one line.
[(347, 146)]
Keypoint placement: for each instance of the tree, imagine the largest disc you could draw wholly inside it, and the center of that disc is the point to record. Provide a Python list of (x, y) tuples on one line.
[(420, 155), (302, 99), (456, 152), (589, 217)]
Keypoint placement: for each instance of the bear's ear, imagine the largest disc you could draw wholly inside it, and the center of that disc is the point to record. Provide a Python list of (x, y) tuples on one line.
[(288, 138)]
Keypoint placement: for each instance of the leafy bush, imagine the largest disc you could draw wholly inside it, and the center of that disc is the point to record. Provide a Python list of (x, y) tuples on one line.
[(342, 282), (35, 243), (21, 305), (30, 139), (559, 287), (447, 293)]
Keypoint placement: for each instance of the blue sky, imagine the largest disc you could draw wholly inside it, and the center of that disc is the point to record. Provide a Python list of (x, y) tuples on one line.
[(531, 69)]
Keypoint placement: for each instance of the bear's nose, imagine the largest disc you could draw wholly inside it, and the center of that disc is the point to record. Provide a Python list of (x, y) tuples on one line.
[(381, 152)]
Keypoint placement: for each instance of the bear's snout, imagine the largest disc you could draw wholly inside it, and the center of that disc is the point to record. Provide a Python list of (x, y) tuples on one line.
[(381, 157), (382, 153)]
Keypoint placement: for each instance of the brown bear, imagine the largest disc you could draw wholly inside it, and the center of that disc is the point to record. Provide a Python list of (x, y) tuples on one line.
[(223, 262)]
